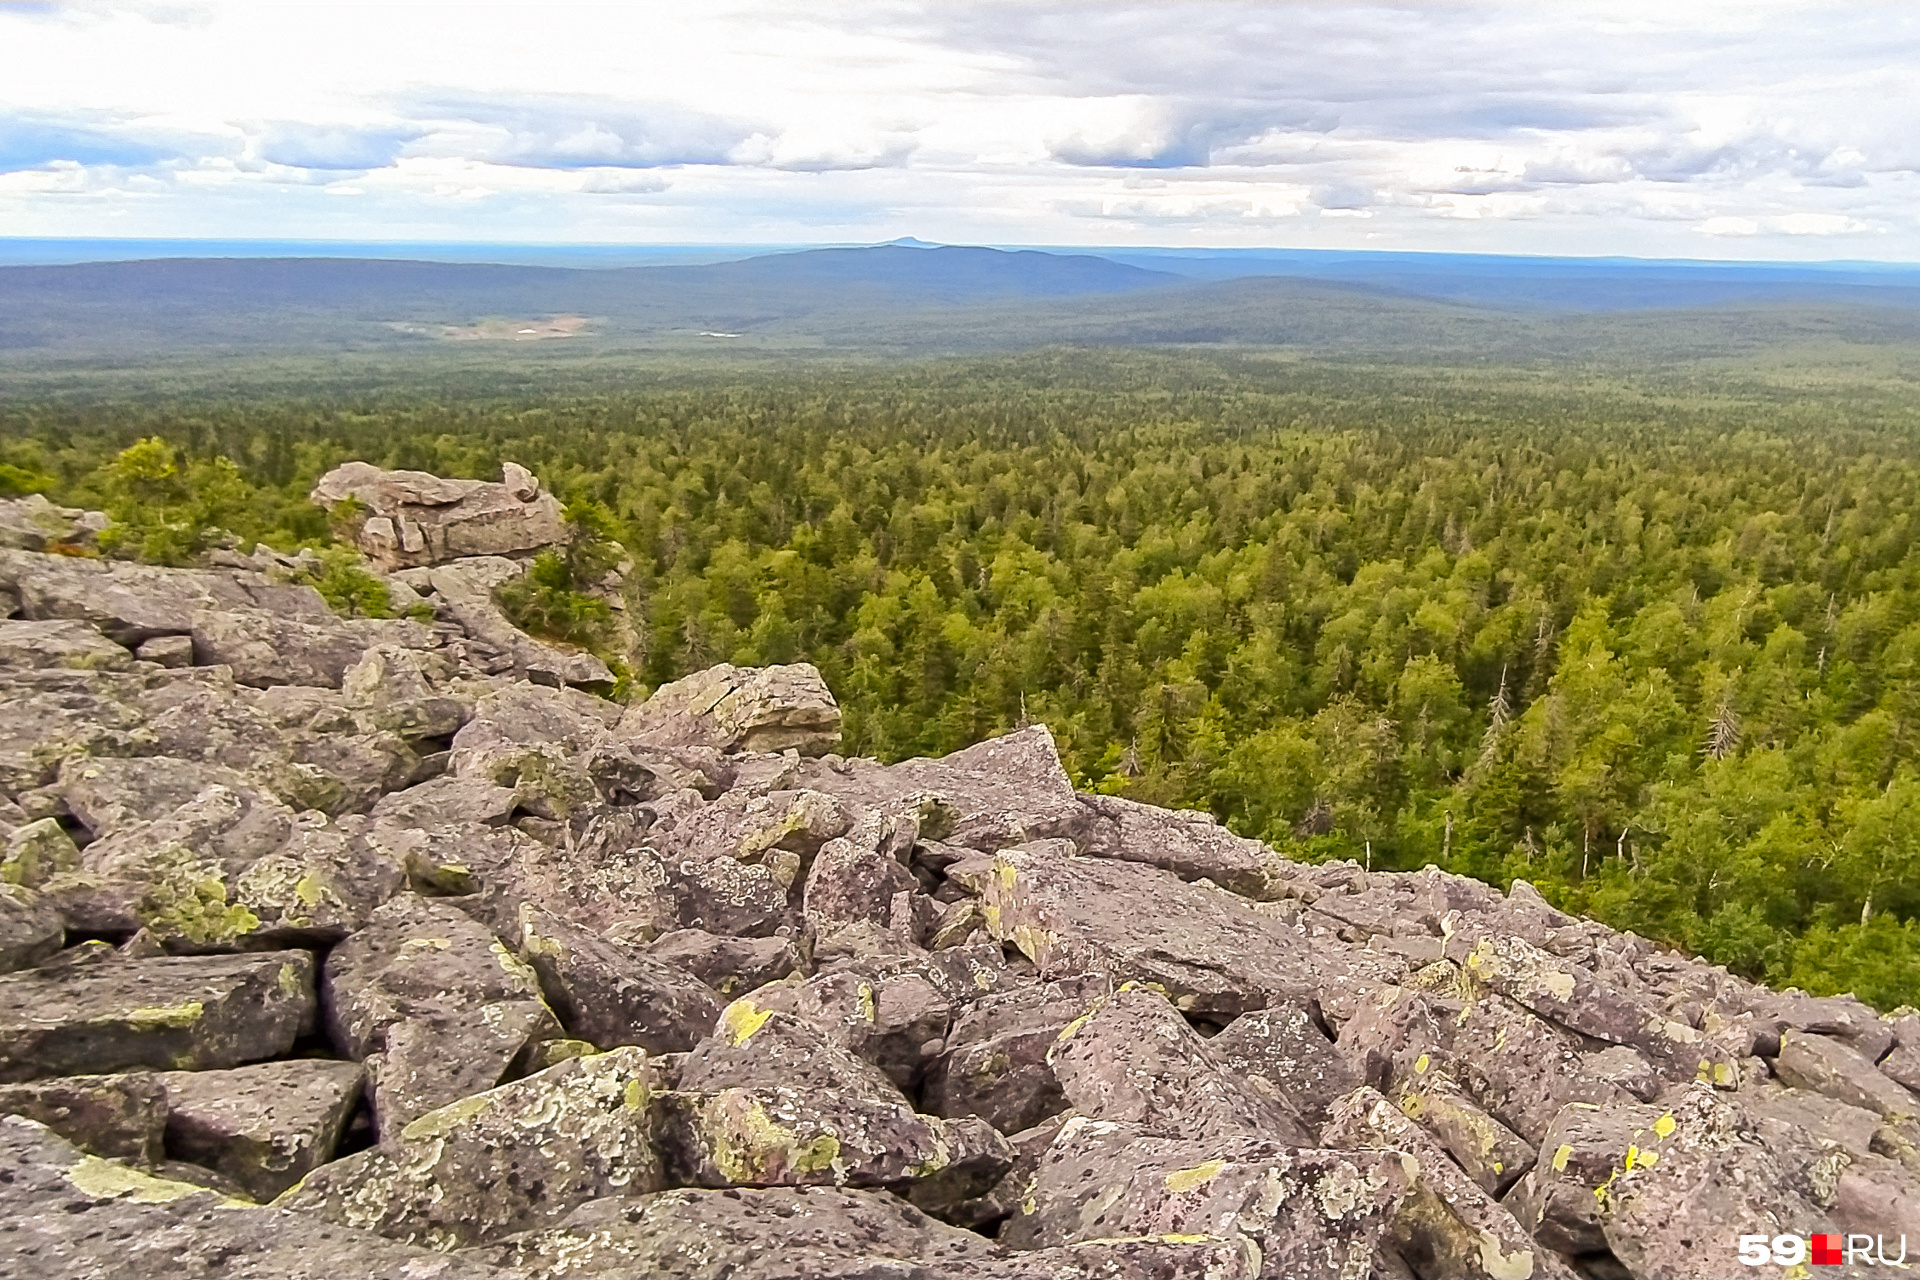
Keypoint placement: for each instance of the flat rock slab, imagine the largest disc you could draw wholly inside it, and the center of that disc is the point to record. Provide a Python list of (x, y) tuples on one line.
[(1310, 1213), (59, 643), (1132, 1058), (740, 709), (612, 994), (693, 1234), (122, 1116), (417, 957), (511, 1159), (31, 928), (191, 1013), (66, 1215), (133, 603), (264, 1126), (774, 1137), (1210, 950)]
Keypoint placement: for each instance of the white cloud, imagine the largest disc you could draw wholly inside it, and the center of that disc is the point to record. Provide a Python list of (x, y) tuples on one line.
[(1772, 127)]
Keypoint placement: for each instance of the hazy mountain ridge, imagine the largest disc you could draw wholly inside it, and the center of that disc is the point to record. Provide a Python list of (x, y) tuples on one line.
[(896, 299)]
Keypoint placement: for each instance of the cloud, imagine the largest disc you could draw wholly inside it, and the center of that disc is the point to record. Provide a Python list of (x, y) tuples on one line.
[(564, 131), (321, 146), (622, 182), (28, 143)]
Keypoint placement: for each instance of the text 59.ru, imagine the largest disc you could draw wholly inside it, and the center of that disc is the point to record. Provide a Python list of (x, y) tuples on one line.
[(1821, 1250)]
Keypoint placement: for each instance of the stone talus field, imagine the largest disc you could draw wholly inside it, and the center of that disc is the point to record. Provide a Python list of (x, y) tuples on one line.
[(367, 948)]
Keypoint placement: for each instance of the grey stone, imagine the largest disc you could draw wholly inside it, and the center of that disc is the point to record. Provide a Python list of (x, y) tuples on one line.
[(67, 1215), (59, 643), (730, 966), (121, 1116), (184, 1012), (1310, 1212), (265, 1126), (410, 518), (511, 1159), (612, 994), (1448, 1225), (740, 709), (167, 651), (745, 1234), (1283, 1054), (265, 649), (1132, 1058), (432, 1059), (1830, 1066), (30, 928)]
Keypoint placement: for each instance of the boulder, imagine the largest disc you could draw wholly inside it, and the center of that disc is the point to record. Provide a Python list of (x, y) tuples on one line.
[(139, 1226), (740, 709), (611, 994), (418, 957), (1282, 1054), (854, 877), (730, 966), (32, 522), (410, 518), (463, 597), (263, 649), (265, 1126), (895, 1021), (775, 1136), (1002, 792), (191, 1013), (132, 603), (755, 1046), (1447, 1225), (122, 1116), (510, 1159), (59, 643), (746, 1234), (1133, 1059), (37, 851), (1211, 951), (1308, 1212), (995, 1063), (1493, 1155), (1704, 1173), (30, 928), (1191, 844), (1825, 1065), (432, 1059)]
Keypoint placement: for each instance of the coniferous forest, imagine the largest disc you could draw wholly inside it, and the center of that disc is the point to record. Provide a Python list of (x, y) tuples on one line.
[(1651, 642)]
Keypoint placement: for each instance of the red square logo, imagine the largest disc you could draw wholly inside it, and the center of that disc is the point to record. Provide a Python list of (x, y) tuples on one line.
[(1826, 1251)]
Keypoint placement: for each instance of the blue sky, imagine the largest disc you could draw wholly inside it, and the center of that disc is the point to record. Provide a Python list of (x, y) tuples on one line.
[(1678, 129)]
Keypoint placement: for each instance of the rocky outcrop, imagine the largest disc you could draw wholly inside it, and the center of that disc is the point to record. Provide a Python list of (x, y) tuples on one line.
[(473, 974), (402, 519)]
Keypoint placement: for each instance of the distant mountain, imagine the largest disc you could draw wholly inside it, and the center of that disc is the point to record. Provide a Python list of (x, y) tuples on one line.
[(183, 303), (902, 299)]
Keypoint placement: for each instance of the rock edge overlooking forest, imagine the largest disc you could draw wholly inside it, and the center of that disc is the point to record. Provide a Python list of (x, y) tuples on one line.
[(380, 946)]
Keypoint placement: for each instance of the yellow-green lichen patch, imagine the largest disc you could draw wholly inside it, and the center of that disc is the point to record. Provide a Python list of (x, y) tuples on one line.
[(167, 1017), (1181, 1181), (1421, 1064), (1664, 1125), (438, 1124), (288, 980), (111, 1180), (637, 1095), (867, 1012), (514, 965), (1501, 1265), (1561, 1157), (739, 1020), (748, 1148), (195, 909), (310, 888)]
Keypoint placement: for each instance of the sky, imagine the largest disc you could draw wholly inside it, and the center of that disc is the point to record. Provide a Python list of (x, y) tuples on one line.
[(1751, 130)]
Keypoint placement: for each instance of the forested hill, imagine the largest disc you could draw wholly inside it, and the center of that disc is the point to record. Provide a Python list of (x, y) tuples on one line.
[(1654, 646)]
